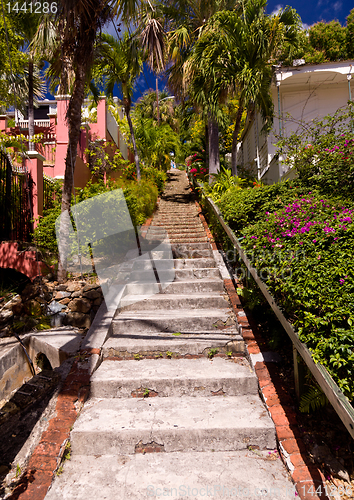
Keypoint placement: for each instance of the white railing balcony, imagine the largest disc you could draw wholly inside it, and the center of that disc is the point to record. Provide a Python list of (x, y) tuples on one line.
[(38, 123)]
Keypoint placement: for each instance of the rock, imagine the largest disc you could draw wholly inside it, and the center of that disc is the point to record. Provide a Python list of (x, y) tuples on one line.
[(16, 305), (6, 315), (74, 286), (64, 301), (98, 301), (78, 319), (30, 291), (74, 295), (54, 307), (15, 300), (61, 295), (61, 288), (80, 305), (32, 308), (89, 287), (92, 294)]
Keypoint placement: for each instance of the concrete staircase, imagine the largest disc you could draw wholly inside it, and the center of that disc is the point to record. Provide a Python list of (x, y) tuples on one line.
[(174, 404)]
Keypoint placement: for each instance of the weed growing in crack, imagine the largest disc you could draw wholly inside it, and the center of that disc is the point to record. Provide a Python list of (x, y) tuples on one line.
[(212, 353)]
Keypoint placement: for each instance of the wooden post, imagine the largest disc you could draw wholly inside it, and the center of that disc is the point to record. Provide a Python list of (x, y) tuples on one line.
[(299, 374)]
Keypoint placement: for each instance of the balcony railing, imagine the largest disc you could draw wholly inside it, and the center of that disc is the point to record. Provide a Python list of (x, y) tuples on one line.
[(39, 123)]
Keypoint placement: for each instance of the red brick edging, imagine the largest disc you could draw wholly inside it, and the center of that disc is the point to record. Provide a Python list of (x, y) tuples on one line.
[(48, 453), (308, 479)]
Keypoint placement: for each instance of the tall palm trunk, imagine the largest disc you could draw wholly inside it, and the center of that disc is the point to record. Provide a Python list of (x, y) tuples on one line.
[(136, 156), (127, 106), (235, 140), (157, 102), (74, 124), (213, 147), (30, 106)]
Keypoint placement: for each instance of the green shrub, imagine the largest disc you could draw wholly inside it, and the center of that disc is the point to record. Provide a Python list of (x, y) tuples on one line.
[(241, 207), (157, 177), (143, 197), (140, 197), (44, 235), (153, 174)]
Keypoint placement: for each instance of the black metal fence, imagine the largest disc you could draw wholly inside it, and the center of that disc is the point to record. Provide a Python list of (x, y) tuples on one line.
[(15, 202)]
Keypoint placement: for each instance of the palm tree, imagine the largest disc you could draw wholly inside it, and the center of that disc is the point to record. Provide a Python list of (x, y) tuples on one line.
[(236, 53), (120, 62), (189, 19), (146, 107), (28, 24), (79, 22)]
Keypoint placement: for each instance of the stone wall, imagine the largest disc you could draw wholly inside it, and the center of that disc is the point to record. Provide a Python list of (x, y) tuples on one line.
[(73, 303)]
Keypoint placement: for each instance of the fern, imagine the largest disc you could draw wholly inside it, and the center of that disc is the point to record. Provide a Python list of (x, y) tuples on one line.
[(313, 400)]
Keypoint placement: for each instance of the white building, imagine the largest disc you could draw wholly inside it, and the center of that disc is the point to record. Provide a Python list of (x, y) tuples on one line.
[(305, 92)]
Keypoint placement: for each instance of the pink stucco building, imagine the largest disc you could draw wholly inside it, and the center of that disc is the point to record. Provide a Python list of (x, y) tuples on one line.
[(49, 159), (50, 120)]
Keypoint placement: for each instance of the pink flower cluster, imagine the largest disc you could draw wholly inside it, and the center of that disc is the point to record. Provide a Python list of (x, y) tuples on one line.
[(306, 216)]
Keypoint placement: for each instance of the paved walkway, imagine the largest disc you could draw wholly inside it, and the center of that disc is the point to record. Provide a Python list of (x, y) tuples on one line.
[(174, 409)]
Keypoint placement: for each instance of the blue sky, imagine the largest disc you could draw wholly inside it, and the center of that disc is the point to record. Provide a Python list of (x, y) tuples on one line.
[(312, 11)]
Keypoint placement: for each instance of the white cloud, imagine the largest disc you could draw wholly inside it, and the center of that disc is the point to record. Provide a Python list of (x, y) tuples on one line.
[(305, 26), (337, 6), (276, 10)]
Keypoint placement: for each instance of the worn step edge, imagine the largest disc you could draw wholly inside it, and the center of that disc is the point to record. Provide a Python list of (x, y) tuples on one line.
[(173, 378), (117, 426)]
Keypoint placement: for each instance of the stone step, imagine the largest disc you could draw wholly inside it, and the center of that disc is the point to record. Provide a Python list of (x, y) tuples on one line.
[(182, 320), (182, 237), (192, 274), (169, 275), (116, 426), (184, 240), (173, 377), (197, 263), (198, 231), (143, 276), (176, 224), (169, 302), (201, 285), (177, 221), (177, 343), (191, 246), (241, 475)]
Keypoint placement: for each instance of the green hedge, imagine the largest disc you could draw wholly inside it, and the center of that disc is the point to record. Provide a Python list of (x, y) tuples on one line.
[(140, 197)]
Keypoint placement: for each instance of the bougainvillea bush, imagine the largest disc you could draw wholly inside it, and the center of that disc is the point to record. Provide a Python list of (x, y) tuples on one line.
[(300, 237), (304, 252)]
